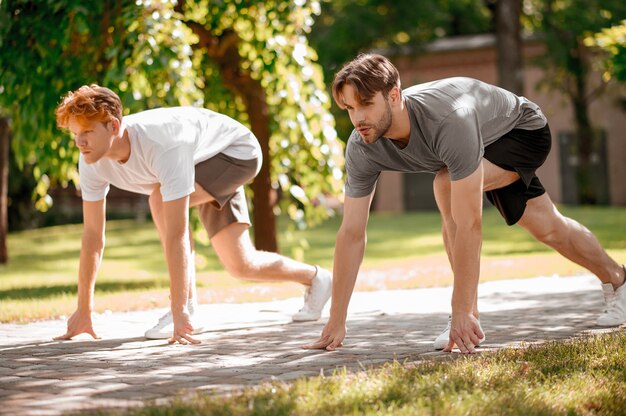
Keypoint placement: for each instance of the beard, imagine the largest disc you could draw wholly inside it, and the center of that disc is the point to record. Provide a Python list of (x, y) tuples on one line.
[(378, 129)]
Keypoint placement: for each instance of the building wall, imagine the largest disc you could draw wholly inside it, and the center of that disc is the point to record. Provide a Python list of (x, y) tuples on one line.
[(480, 62)]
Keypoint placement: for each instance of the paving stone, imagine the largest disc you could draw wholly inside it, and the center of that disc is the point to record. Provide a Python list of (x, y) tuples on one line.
[(249, 347)]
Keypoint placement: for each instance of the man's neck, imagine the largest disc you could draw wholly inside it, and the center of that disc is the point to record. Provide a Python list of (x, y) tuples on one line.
[(120, 149), (400, 129)]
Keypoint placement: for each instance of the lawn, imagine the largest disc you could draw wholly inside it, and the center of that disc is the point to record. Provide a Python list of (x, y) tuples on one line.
[(585, 376), (40, 280)]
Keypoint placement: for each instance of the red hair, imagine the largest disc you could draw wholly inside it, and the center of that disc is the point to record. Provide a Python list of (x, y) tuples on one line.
[(89, 103)]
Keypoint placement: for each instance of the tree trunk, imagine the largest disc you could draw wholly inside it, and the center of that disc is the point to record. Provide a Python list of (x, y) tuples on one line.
[(5, 137), (586, 191), (509, 45), (224, 50), (263, 214)]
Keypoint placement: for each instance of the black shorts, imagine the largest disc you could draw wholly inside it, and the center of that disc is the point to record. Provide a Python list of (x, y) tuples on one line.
[(521, 151)]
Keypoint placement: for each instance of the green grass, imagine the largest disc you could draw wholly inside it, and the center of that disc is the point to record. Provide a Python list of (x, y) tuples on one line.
[(586, 376), (40, 280)]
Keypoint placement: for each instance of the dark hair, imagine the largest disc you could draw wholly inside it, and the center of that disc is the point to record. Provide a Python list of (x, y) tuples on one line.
[(368, 74), (89, 103)]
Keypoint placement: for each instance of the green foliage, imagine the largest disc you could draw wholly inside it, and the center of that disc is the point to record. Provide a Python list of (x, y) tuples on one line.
[(143, 51), (613, 42), (306, 157), (48, 48), (565, 24), (347, 27)]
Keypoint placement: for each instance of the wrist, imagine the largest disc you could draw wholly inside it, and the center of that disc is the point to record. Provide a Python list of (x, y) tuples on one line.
[(338, 316), (461, 306), (84, 307)]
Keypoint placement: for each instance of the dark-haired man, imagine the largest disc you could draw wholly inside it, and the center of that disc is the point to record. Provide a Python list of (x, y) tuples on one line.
[(475, 137)]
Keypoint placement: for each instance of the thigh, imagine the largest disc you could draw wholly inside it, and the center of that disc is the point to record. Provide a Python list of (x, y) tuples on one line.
[(496, 177), (199, 196), (540, 216)]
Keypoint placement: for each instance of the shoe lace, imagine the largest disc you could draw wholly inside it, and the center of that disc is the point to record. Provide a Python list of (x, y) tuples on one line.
[(165, 319), (610, 301)]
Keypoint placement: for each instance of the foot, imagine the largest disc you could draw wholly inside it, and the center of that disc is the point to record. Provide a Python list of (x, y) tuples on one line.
[(442, 340), (165, 327), (615, 305), (315, 297)]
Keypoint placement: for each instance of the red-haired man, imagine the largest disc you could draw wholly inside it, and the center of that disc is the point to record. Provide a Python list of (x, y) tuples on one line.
[(181, 157)]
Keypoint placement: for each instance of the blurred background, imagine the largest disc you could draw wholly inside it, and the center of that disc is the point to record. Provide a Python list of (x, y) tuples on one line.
[(270, 64)]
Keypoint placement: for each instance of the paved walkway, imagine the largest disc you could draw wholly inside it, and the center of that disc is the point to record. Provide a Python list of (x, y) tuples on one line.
[(254, 342)]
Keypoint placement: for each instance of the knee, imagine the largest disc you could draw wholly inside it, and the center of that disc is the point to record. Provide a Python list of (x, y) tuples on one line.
[(243, 269)]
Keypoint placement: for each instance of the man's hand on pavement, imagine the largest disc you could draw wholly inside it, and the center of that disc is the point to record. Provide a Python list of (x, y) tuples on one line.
[(465, 332), (331, 338), (79, 323), (182, 329)]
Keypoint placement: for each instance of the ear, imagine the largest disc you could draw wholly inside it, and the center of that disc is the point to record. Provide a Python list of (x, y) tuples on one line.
[(395, 95), (115, 125)]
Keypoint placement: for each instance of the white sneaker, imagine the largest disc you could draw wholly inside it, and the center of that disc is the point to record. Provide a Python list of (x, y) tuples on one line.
[(615, 306), (315, 297), (442, 340), (165, 327)]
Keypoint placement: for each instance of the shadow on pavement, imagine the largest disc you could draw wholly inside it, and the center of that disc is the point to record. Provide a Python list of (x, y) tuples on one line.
[(114, 372)]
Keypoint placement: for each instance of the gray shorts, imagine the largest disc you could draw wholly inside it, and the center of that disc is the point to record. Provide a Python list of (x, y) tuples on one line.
[(223, 178)]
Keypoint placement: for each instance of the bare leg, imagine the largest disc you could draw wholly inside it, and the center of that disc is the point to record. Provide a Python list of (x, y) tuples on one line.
[(241, 259), (568, 237), (571, 239), (156, 209)]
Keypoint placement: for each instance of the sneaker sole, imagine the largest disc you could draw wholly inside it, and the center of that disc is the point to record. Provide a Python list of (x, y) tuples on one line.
[(305, 319), (166, 336)]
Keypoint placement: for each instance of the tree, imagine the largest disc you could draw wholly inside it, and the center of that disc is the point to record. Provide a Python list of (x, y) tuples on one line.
[(565, 24), (346, 28), (613, 42), (259, 52), (142, 49), (48, 48), (5, 134), (507, 25)]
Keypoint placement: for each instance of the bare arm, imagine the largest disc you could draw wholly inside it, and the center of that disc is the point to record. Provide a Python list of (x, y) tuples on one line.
[(176, 246), (349, 250), (91, 251), (466, 208)]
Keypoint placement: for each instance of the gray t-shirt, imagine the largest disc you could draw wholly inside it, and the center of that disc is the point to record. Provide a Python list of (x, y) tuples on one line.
[(452, 120)]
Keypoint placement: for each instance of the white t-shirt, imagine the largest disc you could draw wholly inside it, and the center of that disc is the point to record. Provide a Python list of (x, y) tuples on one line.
[(165, 146)]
